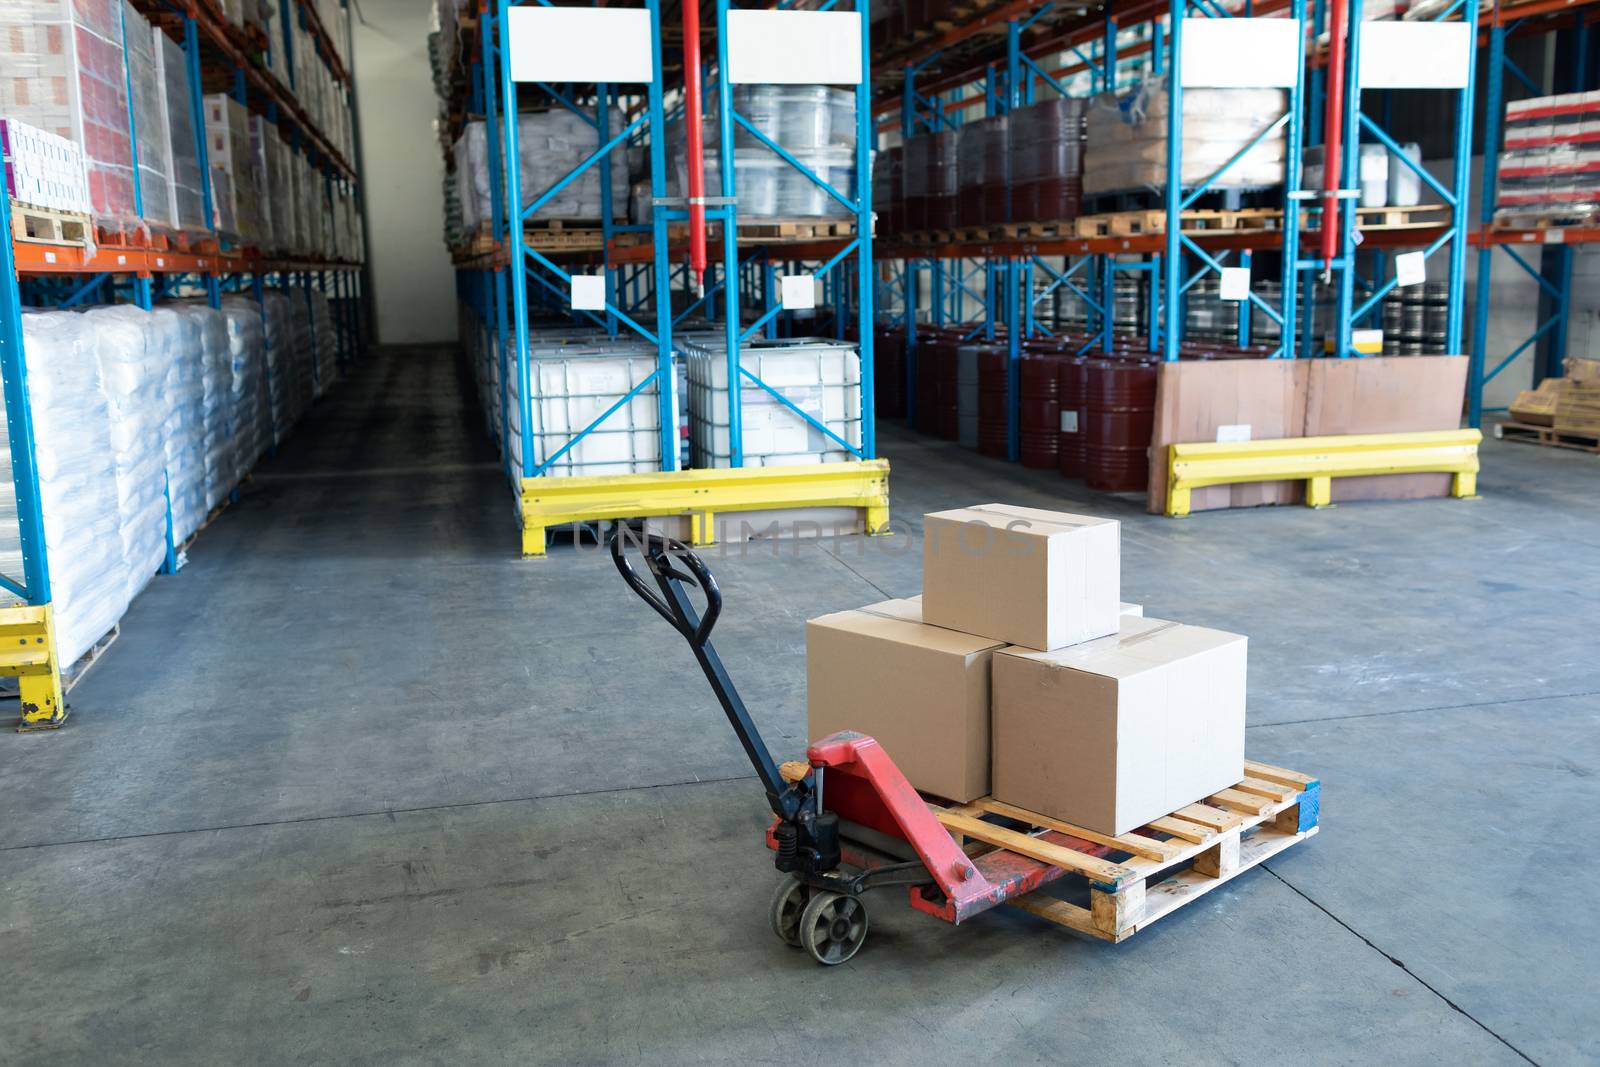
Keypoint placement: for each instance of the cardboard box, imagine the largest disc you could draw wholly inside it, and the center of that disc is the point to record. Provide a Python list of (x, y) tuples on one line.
[(1581, 370), (1537, 407), (1113, 733), (1024, 576), (922, 691)]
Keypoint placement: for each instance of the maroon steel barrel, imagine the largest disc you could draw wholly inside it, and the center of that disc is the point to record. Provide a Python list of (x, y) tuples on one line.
[(994, 408), (1073, 386), (937, 402), (1040, 414), (1119, 419)]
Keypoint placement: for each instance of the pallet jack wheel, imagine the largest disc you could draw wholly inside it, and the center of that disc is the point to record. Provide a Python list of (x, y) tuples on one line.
[(832, 927), (787, 905)]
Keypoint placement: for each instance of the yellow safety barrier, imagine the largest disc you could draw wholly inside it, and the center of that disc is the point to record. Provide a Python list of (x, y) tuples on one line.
[(28, 654), (701, 494), (1318, 460)]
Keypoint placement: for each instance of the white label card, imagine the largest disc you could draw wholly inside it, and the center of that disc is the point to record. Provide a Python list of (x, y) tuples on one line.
[(799, 292), (1235, 283), (1240, 53), (588, 292), (1069, 420), (1234, 434), (1414, 55), (579, 44), (1410, 268), (794, 47)]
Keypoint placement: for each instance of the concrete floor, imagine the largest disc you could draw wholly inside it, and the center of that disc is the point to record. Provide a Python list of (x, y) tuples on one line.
[(360, 786)]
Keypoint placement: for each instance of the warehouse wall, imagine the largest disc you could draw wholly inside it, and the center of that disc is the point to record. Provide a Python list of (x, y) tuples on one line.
[(413, 285)]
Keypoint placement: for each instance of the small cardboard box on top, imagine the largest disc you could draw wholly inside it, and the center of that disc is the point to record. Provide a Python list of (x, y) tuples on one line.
[(921, 691), (1025, 576), (1112, 733)]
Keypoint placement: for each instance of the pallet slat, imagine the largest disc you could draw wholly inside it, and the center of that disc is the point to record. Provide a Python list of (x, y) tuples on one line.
[(1272, 809)]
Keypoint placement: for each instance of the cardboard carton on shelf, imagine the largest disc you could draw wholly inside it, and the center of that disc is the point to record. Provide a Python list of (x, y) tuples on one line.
[(922, 691), (1115, 732), (1024, 576)]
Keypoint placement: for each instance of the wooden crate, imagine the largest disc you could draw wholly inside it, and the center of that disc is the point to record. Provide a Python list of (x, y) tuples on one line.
[(1140, 877)]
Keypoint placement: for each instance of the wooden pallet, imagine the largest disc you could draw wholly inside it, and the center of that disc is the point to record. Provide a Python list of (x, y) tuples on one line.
[(1541, 222), (1139, 877), (74, 673), (767, 230), (1135, 223), (1421, 216), (48, 226), (1549, 436)]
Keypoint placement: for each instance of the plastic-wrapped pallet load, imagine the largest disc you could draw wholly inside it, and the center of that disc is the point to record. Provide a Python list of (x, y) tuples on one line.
[(149, 120), (77, 480), (250, 413), (1127, 139), (1550, 169), (260, 132), (186, 427), (216, 399), (819, 377), (133, 360), (551, 144), (188, 202), (228, 150), (43, 168), (572, 386), (61, 69)]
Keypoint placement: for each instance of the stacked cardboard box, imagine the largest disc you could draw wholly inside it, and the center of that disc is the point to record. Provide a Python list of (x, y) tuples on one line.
[(43, 168), (1019, 674), (228, 151), (1569, 405)]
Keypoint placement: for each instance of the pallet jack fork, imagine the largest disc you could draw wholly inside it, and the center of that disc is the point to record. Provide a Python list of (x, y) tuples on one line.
[(844, 821)]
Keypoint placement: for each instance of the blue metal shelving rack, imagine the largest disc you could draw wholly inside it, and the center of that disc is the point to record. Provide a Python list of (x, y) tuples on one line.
[(501, 289), (1112, 53), (1553, 274), (69, 277)]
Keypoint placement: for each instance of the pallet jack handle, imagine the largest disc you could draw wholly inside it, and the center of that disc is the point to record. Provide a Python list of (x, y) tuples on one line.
[(672, 564)]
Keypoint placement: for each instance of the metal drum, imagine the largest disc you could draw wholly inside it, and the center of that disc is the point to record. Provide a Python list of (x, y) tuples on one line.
[(938, 411), (994, 408), (1046, 150), (1435, 317), (1120, 417), (889, 371), (1040, 415), (1073, 385)]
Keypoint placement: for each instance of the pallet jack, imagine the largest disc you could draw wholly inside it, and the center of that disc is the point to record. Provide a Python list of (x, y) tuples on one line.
[(845, 820)]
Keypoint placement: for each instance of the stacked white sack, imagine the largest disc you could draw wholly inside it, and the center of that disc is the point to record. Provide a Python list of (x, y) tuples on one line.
[(251, 410), (327, 342), (186, 428), (133, 377), (216, 379), (280, 383), (302, 360), (77, 480)]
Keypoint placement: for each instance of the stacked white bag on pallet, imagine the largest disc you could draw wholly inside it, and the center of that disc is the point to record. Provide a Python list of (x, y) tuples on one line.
[(77, 480), (216, 380), (280, 383), (550, 144), (133, 358), (302, 360), (1126, 139), (186, 428), (327, 342), (251, 410)]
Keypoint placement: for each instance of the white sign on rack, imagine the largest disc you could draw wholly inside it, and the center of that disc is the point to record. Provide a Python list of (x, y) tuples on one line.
[(1410, 268), (579, 44), (1414, 55), (588, 292), (799, 291), (1240, 53), (794, 47), (1234, 283)]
